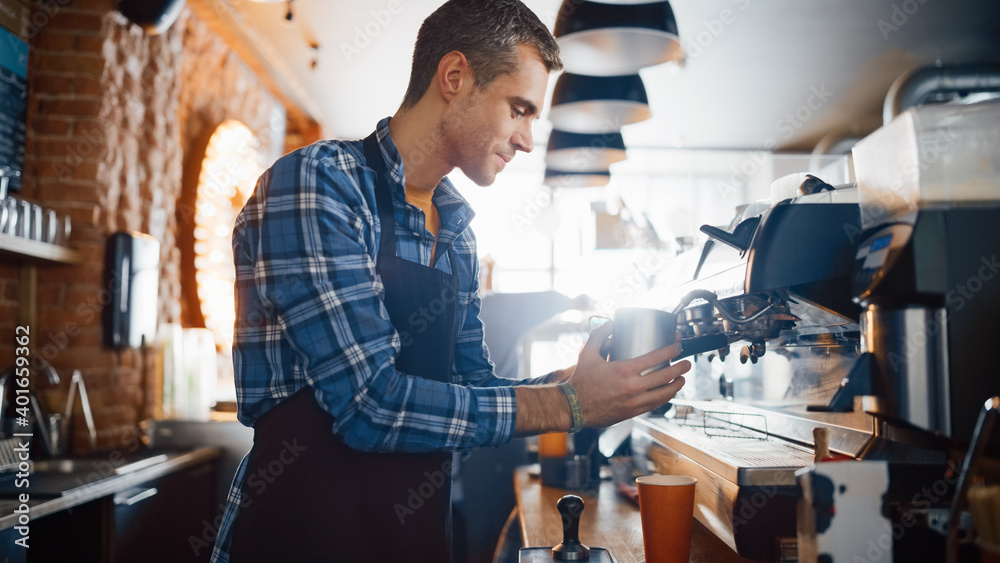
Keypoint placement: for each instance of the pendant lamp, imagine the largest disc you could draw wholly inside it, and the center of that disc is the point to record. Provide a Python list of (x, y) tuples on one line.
[(598, 104), (568, 179), (153, 16), (583, 152), (605, 39)]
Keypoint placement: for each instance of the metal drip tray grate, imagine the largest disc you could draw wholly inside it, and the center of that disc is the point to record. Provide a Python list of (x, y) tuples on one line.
[(763, 460), (767, 454)]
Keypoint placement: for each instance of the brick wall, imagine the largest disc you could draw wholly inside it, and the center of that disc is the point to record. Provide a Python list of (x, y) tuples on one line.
[(114, 119)]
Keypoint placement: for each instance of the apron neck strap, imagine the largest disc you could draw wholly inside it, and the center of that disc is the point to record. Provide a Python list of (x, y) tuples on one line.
[(383, 201), (383, 195)]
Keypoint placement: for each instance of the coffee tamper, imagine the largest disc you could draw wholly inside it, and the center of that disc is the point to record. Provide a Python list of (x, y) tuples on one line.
[(570, 509)]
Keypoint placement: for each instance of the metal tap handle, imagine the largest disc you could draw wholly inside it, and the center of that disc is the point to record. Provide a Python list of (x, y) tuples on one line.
[(77, 382), (51, 447), (980, 437)]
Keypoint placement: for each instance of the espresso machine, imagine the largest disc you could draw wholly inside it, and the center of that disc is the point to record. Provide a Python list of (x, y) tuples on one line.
[(857, 376)]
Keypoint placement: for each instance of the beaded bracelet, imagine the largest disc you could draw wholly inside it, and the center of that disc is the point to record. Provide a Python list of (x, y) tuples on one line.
[(575, 408)]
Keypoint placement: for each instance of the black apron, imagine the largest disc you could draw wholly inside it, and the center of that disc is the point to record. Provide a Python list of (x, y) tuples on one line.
[(308, 497)]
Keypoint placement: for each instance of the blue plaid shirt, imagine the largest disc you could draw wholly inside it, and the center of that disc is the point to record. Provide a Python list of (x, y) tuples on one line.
[(309, 310)]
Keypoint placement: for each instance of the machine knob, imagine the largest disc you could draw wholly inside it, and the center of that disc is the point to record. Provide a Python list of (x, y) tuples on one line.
[(570, 508), (745, 355)]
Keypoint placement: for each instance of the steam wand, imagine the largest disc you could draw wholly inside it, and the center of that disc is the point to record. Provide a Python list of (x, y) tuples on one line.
[(714, 300)]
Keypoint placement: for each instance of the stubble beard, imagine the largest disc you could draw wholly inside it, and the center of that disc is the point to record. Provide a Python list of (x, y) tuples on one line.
[(462, 140)]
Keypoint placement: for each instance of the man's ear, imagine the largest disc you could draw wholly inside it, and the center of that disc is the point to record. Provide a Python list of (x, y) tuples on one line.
[(452, 75)]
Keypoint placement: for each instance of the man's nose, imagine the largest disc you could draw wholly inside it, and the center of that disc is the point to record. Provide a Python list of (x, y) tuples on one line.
[(522, 139)]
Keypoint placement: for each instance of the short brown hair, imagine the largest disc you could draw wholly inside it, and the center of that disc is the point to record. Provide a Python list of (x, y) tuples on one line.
[(487, 33)]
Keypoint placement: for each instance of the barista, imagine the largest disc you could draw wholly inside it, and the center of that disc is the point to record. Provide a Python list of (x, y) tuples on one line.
[(358, 351)]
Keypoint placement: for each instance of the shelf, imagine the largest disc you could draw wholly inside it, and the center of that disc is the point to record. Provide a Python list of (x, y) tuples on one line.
[(26, 250)]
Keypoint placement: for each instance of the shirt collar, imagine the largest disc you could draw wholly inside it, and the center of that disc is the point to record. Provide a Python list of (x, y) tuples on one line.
[(454, 210)]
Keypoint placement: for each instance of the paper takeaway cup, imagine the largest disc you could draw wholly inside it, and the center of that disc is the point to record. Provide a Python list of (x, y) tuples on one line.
[(666, 507)]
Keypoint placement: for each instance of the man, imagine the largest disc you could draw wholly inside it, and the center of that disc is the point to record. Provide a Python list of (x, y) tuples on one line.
[(359, 353)]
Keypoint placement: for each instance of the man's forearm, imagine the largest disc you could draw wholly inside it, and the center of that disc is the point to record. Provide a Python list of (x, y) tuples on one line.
[(541, 409), (606, 392)]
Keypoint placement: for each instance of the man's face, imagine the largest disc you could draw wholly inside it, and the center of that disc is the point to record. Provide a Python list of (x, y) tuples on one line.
[(485, 127)]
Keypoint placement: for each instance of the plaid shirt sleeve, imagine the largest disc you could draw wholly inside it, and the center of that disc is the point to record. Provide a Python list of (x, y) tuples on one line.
[(310, 312)]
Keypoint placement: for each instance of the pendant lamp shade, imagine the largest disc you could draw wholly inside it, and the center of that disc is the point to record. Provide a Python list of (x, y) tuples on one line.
[(566, 179), (153, 16), (612, 39), (598, 104), (583, 152)]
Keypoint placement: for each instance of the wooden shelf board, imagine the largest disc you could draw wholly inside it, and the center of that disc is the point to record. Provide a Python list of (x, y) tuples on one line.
[(23, 250)]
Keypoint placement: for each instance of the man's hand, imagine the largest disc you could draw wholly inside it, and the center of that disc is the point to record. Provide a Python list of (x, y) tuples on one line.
[(614, 391), (560, 375), (609, 391)]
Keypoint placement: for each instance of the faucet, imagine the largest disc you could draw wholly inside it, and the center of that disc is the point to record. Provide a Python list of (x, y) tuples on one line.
[(53, 427), (50, 374), (76, 382)]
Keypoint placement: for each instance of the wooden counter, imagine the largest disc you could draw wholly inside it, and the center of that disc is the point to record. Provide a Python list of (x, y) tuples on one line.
[(609, 521)]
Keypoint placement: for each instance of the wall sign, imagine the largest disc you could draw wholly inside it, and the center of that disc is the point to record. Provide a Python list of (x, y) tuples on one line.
[(13, 103)]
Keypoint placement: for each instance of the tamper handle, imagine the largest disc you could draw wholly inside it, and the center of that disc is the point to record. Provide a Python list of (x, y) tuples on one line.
[(570, 508)]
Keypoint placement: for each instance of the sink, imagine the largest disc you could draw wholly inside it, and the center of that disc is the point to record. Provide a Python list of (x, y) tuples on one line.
[(57, 477)]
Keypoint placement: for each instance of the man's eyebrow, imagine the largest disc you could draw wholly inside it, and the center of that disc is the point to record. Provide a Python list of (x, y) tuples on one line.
[(529, 108)]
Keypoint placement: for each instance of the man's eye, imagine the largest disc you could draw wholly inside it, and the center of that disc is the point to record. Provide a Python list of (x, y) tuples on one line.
[(517, 112)]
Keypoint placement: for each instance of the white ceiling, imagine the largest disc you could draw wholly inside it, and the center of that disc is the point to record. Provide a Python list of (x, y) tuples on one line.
[(741, 83)]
